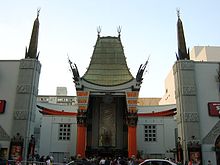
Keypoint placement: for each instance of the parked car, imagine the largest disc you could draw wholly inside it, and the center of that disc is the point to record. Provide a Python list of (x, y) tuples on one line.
[(157, 162)]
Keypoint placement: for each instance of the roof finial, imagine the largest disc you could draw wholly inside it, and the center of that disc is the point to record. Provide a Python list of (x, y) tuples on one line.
[(178, 12), (38, 12), (119, 31), (99, 30)]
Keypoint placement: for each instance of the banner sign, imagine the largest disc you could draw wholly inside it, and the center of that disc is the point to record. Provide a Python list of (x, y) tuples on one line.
[(131, 98), (2, 106), (83, 100), (214, 108)]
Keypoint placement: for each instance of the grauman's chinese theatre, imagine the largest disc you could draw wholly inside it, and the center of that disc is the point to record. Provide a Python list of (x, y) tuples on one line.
[(107, 101)]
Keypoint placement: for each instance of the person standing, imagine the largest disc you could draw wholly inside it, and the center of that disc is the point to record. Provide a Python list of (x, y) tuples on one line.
[(102, 161)]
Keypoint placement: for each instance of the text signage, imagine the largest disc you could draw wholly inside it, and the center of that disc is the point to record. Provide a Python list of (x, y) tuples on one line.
[(2, 106), (214, 108)]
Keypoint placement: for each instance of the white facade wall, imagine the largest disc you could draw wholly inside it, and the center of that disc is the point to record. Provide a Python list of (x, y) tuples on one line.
[(9, 70), (207, 91), (48, 142), (165, 132)]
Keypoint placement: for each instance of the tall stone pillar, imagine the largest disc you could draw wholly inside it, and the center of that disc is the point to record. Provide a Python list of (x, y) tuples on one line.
[(25, 102), (81, 134), (187, 107)]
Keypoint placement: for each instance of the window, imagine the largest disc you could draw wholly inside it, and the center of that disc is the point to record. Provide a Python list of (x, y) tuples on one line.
[(64, 132), (150, 134)]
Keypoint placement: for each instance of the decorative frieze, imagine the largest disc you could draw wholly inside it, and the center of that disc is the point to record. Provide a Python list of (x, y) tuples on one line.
[(30, 64), (131, 99), (186, 65), (3, 135), (20, 115), (83, 100), (191, 117), (183, 65), (212, 135), (23, 88), (188, 90), (27, 64)]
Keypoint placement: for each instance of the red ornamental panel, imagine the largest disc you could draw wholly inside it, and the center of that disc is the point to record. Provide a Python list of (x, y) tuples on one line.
[(2, 106), (214, 108), (132, 98), (83, 99)]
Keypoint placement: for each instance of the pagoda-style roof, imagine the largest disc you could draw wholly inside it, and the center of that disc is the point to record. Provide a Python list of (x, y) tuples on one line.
[(108, 66)]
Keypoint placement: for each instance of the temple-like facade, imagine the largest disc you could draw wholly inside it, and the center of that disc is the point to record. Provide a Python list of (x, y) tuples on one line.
[(107, 99)]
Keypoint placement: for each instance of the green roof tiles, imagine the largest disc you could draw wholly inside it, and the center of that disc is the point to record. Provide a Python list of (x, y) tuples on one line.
[(108, 65)]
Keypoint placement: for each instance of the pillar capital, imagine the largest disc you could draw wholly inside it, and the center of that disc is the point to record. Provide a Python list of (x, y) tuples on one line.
[(132, 119), (82, 118)]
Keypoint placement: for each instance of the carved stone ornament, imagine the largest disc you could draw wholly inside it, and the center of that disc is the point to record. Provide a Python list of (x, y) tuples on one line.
[(189, 90), (186, 65), (132, 119), (24, 88), (191, 117), (82, 118), (3, 135), (20, 115), (30, 64), (212, 135), (27, 63)]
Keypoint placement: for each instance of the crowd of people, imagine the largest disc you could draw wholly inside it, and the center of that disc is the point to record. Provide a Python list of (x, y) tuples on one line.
[(78, 160), (95, 160)]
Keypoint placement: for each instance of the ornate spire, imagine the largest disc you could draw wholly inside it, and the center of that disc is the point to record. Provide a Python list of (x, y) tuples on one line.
[(99, 30), (182, 52), (32, 50), (119, 32)]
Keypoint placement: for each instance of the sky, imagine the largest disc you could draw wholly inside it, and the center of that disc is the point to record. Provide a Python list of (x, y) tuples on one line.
[(69, 28)]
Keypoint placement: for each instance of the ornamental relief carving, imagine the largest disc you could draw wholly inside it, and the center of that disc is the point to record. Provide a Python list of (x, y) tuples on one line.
[(82, 119), (24, 88), (186, 65), (27, 64), (132, 119), (20, 115), (3, 135), (189, 90), (191, 117), (212, 135)]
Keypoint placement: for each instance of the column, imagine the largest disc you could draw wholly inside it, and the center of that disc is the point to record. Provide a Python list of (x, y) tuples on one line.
[(81, 140), (81, 134), (132, 136), (132, 141)]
